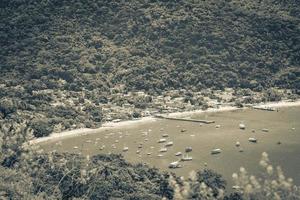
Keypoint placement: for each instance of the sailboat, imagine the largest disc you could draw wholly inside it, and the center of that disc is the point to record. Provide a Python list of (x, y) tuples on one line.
[(216, 151), (186, 158), (169, 144), (163, 149), (125, 149)]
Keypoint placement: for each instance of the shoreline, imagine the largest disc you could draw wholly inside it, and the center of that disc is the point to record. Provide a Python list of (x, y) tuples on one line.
[(114, 125)]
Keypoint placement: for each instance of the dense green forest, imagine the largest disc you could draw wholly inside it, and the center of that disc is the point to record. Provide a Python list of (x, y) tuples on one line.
[(150, 45), (56, 50)]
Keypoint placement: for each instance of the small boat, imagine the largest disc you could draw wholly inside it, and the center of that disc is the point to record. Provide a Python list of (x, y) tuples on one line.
[(237, 144), (149, 153), (242, 126), (163, 150), (140, 146), (174, 165), (216, 151), (218, 126), (162, 140), (254, 140), (125, 149), (138, 152), (183, 130), (169, 144), (186, 158), (160, 155), (145, 133), (265, 130), (236, 187), (188, 149), (165, 135), (75, 147), (146, 139), (152, 147), (116, 120), (192, 135), (178, 154)]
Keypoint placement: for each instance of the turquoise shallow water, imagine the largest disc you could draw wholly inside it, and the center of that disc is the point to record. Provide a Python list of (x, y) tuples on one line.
[(283, 126)]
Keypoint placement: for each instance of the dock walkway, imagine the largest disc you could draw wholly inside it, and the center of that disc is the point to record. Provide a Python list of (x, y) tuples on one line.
[(185, 119)]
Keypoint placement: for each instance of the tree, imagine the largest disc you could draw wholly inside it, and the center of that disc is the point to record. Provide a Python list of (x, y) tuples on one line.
[(41, 127), (7, 106)]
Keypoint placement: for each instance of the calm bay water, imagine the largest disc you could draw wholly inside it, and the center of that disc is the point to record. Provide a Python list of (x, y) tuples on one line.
[(283, 126)]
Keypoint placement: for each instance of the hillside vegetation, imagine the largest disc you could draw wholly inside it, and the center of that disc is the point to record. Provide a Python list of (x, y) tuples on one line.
[(150, 44), (60, 59)]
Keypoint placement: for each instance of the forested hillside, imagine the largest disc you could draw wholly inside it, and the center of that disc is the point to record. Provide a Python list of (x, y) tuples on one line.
[(150, 44), (61, 59)]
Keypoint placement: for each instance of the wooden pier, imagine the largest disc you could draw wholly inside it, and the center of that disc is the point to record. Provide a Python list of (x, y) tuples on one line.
[(185, 119), (264, 108)]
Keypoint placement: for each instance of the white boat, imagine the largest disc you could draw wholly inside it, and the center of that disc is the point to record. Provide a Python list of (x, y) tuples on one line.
[(160, 155), (218, 126), (216, 151), (236, 187), (178, 154), (138, 151), (144, 133), (188, 149), (265, 130), (169, 144), (165, 135), (162, 140), (174, 165), (125, 149), (116, 120), (149, 153), (75, 147), (237, 144), (242, 126), (186, 158), (163, 150), (254, 140)]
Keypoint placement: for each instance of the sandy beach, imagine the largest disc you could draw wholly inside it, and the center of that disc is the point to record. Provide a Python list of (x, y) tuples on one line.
[(112, 125)]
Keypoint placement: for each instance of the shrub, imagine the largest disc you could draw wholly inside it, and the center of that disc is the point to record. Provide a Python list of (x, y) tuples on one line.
[(41, 128)]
